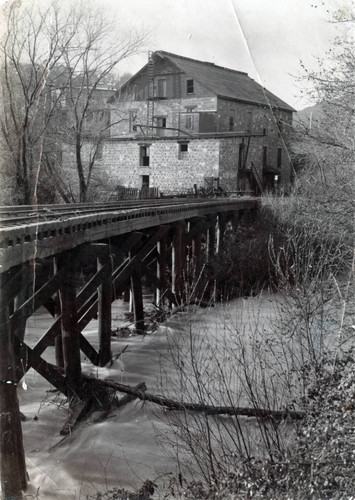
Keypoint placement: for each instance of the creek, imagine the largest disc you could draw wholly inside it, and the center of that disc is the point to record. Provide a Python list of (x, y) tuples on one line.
[(136, 442)]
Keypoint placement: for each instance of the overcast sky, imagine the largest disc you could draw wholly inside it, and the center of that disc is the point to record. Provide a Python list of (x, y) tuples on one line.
[(265, 38)]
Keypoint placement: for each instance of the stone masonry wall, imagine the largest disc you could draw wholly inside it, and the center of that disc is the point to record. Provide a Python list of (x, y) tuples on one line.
[(169, 169), (171, 109)]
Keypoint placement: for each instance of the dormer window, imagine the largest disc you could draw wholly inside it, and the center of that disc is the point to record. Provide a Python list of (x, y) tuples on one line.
[(189, 86)]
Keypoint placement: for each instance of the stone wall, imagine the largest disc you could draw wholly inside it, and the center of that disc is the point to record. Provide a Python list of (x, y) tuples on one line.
[(174, 110), (170, 170)]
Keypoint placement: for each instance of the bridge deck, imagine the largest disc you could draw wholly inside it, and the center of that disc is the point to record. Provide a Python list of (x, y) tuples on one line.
[(29, 232)]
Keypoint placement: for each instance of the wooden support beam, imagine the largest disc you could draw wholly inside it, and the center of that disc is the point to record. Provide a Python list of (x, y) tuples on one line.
[(12, 464), (221, 229), (104, 310), (163, 287), (211, 239), (161, 273), (69, 323), (177, 271), (31, 305), (48, 371), (137, 296)]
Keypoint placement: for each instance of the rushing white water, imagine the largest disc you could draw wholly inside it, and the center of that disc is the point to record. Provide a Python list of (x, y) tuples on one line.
[(124, 449)]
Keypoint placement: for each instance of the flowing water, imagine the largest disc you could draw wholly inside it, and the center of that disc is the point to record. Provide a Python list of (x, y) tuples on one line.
[(135, 442)]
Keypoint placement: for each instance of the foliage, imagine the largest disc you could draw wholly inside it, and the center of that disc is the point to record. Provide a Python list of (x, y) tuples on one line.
[(54, 61)]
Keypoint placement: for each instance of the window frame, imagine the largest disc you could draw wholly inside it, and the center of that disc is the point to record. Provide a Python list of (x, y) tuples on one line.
[(183, 150), (190, 86)]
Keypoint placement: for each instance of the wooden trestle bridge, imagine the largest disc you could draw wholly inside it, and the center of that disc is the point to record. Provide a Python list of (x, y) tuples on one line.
[(44, 250)]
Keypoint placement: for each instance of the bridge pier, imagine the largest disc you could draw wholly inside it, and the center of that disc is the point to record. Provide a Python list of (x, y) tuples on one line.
[(105, 308), (69, 324), (12, 465)]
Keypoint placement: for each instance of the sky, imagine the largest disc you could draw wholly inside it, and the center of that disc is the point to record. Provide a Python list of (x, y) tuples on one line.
[(265, 38)]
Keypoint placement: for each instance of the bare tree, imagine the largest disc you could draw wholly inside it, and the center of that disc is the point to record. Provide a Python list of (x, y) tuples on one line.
[(54, 61)]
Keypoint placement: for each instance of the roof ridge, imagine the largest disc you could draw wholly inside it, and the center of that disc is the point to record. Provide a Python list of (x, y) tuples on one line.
[(201, 62)]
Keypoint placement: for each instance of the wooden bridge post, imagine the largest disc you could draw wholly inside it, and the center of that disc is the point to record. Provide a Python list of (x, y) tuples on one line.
[(177, 261), (137, 296), (211, 239), (59, 358), (221, 228), (161, 271), (13, 466), (69, 323), (105, 312)]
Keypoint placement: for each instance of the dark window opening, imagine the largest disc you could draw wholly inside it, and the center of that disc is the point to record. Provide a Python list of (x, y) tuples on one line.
[(183, 150), (231, 123), (144, 156), (264, 131), (189, 86), (161, 125), (145, 181), (279, 158), (264, 156)]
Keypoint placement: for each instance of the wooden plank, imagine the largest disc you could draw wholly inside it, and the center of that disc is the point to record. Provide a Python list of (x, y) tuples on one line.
[(33, 303), (88, 350), (45, 369)]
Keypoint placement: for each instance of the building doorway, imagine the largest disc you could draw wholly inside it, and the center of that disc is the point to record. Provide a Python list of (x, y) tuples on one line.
[(145, 181)]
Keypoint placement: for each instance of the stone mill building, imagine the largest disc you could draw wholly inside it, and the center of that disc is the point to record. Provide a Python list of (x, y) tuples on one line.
[(180, 124)]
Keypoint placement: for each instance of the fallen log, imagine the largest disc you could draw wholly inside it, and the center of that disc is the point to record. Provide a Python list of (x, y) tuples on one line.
[(200, 407)]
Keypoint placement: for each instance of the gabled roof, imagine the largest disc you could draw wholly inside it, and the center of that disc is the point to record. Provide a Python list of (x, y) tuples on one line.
[(224, 82)]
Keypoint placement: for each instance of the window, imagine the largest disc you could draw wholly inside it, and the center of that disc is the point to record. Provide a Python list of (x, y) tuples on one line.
[(183, 150), (145, 181), (264, 156), (189, 122), (161, 125), (133, 121), (231, 123), (161, 87), (189, 86), (99, 151), (279, 158), (144, 156)]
